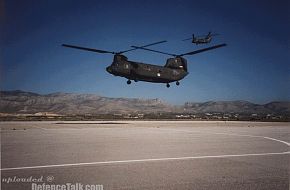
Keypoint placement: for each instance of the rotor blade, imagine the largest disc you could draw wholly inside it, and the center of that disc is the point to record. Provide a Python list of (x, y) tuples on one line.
[(163, 41), (88, 49), (202, 50), (153, 50), (143, 46), (187, 39)]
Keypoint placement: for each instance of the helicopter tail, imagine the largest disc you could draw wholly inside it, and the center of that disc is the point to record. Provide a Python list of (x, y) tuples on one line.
[(208, 35), (193, 38)]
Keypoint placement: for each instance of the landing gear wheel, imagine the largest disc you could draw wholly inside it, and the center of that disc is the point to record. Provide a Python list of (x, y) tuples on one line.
[(177, 83), (128, 82), (167, 85)]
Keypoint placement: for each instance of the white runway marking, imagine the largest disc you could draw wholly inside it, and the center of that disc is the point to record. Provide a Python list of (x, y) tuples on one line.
[(255, 136), (231, 134), (146, 160), (277, 140)]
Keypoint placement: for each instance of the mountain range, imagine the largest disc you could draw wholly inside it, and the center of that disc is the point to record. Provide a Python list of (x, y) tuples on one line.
[(72, 103)]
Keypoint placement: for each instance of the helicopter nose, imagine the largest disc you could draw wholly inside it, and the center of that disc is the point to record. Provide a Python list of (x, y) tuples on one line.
[(109, 69)]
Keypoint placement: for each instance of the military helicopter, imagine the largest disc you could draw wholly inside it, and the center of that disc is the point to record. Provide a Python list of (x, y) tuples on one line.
[(174, 70), (205, 39)]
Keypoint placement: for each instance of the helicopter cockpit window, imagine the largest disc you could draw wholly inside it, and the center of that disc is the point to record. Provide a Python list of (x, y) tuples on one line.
[(173, 63), (184, 64), (176, 63)]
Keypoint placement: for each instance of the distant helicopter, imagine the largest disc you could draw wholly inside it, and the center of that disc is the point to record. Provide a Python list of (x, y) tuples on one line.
[(205, 39), (174, 70)]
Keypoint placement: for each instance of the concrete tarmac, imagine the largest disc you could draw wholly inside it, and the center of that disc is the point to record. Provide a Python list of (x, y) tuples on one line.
[(146, 154)]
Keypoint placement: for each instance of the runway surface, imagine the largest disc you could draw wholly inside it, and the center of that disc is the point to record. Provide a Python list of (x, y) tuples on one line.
[(146, 154)]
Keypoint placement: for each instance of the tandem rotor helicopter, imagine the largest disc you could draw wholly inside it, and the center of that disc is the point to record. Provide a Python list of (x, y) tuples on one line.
[(205, 39), (174, 70)]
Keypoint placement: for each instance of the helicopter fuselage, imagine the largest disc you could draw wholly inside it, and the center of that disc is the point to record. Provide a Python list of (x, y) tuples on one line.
[(174, 70), (201, 40)]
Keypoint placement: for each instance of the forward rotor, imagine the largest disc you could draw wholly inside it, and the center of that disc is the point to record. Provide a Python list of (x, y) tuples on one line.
[(111, 52), (188, 53)]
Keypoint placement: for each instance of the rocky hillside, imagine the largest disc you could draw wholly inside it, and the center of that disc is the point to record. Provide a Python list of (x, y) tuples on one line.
[(237, 107), (71, 103)]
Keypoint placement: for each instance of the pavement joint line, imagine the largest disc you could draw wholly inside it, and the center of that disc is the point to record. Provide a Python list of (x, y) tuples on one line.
[(146, 160)]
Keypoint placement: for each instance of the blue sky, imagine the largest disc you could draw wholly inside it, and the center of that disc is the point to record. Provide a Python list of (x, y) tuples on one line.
[(255, 66)]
